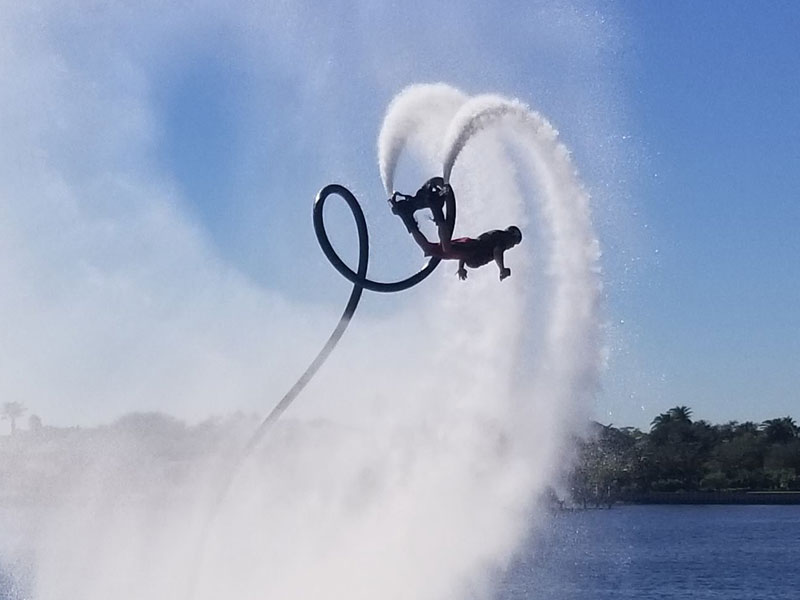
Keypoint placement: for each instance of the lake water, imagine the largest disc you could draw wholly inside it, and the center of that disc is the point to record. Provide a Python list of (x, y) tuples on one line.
[(647, 552), (662, 552)]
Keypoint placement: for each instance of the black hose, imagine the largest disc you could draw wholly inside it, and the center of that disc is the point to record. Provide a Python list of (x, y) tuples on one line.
[(360, 283), (359, 279)]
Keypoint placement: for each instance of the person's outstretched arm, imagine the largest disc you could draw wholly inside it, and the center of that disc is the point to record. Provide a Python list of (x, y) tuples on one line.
[(498, 258), (462, 272)]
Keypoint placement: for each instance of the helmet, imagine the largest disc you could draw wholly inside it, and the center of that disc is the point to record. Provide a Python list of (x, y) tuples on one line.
[(515, 232)]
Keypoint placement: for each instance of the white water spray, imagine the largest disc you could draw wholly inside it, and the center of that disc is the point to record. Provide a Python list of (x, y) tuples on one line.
[(462, 432), (414, 111), (554, 392), (573, 334)]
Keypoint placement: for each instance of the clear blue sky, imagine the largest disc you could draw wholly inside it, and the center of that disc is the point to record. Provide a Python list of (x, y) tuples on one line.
[(705, 299), (684, 119), (714, 88)]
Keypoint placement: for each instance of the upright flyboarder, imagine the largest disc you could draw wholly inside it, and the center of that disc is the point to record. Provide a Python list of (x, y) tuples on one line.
[(469, 252)]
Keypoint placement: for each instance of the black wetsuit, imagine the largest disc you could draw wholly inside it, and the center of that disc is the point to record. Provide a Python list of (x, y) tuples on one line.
[(478, 252)]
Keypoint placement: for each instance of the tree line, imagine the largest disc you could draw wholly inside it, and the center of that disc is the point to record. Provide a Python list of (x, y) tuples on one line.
[(679, 454)]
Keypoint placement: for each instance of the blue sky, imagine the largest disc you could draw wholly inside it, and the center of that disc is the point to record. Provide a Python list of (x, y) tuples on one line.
[(714, 91), (704, 293), (683, 118)]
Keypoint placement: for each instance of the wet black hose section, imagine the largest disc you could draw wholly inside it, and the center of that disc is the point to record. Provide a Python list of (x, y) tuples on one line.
[(359, 279), (360, 283)]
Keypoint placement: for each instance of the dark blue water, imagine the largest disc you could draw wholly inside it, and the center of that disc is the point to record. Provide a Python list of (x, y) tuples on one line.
[(641, 552), (662, 552)]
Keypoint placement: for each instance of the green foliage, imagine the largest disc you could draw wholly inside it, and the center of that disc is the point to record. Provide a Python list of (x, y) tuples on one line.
[(679, 454)]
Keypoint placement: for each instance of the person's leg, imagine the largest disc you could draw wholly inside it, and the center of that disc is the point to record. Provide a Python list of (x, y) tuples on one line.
[(445, 237), (446, 199), (436, 203), (433, 194), (428, 247)]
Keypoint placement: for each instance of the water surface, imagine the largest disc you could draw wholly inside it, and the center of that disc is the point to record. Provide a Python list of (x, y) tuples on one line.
[(641, 552), (662, 552)]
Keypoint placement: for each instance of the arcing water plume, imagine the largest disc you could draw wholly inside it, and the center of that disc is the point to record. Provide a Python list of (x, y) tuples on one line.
[(407, 115), (548, 397), (572, 338), (425, 479), (574, 254)]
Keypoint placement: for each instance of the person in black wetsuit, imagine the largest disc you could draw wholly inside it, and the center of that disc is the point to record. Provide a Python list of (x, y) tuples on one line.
[(469, 252)]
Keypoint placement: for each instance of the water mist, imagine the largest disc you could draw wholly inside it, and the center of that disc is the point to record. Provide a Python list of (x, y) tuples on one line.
[(425, 480)]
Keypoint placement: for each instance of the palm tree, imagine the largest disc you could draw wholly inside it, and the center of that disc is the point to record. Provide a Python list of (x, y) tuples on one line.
[(727, 431), (679, 414), (779, 430), (682, 414), (11, 412), (661, 421), (746, 428)]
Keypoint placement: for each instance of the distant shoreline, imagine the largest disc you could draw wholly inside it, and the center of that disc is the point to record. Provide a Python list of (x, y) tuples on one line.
[(752, 498)]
